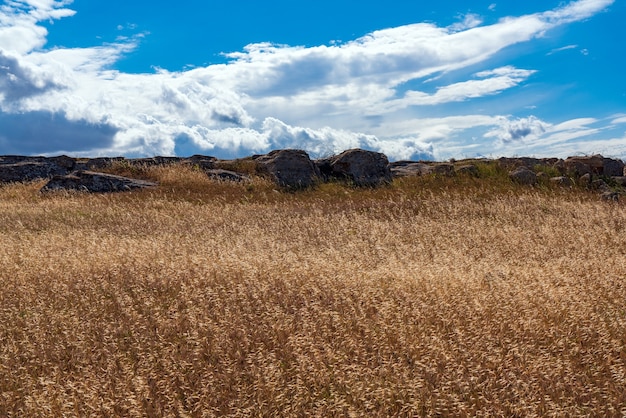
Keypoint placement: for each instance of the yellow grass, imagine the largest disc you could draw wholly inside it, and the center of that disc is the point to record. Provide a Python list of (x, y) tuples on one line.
[(200, 298)]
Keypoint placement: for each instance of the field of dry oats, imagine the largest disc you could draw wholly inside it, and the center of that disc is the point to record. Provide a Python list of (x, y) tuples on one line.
[(426, 298)]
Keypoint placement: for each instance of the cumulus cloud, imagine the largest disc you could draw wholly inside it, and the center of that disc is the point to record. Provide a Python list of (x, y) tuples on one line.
[(18, 81), (322, 99), (19, 31), (518, 129)]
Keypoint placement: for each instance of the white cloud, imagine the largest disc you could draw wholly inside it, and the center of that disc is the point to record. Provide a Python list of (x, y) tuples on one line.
[(564, 48), (322, 99), (534, 137), (519, 129), (470, 20), (576, 10), (495, 82), (19, 31)]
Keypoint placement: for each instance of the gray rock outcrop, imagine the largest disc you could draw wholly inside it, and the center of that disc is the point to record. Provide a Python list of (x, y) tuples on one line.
[(443, 169), (226, 175), (409, 168), (30, 170), (90, 181)]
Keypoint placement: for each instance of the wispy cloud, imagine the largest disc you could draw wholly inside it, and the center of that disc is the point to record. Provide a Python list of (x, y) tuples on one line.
[(468, 21), (323, 99), (564, 48), (619, 120)]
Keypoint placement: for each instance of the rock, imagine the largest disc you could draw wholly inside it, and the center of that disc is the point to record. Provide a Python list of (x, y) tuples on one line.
[(579, 166), (63, 161), (203, 162), (93, 182), (289, 168), (409, 168), (612, 167), (154, 161), (363, 168), (443, 169), (512, 163), (28, 170), (467, 170), (562, 181), (226, 175), (414, 168), (100, 163), (523, 175)]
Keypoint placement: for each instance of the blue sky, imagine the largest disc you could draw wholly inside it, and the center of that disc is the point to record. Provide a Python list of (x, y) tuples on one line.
[(232, 78)]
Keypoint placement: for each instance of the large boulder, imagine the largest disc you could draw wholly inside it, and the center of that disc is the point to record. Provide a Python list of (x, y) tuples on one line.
[(612, 167), (523, 175), (362, 168), (594, 165), (579, 166), (90, 181), (289, 168)]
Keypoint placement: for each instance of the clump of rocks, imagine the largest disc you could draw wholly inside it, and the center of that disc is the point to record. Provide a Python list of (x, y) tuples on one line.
[(293, 169), (595, 172)]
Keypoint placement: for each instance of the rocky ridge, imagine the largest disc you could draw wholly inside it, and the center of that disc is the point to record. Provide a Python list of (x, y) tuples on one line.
[(293, 169)]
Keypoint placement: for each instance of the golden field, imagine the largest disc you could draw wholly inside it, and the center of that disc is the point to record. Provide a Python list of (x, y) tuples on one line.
[(430, 297)]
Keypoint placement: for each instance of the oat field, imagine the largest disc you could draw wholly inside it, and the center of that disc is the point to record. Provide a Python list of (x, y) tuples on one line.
[(431, 297)]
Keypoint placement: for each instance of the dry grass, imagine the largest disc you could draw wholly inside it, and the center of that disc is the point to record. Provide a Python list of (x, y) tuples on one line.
[(448, 298)]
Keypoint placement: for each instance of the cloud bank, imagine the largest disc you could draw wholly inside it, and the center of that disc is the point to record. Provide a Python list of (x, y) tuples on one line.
[(371, 92)]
